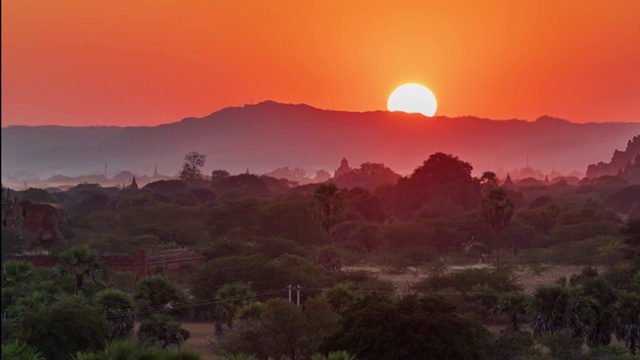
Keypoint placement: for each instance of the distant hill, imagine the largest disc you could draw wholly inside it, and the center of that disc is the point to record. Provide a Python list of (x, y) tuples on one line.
[(270, 135)]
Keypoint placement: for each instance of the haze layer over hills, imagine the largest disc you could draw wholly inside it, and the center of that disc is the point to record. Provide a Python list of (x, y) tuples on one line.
[(268, 135)]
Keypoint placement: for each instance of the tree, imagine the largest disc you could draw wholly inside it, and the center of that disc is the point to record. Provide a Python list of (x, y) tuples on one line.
[(328, 206), (247, 334), (631, 230), (217, 175), (284, 325), (156, 293), (513, 304), (441, 179), (18, 350), (340, 296), (321, 323), (118, 310), (329, 258), (555, 308), (627, 321), (192, 167), (63, 328), (162, 331), (16, 274), (229, 299), (378, 327), (601, 298), (488, 181), (496, 211), (81, 263)]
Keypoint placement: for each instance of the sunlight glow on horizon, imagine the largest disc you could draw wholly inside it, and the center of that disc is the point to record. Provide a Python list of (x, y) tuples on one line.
[(143, 63)]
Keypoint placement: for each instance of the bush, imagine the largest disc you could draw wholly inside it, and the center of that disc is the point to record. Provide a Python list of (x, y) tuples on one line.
[(498, 280), (582, 231), (62, 329), (601, 250)]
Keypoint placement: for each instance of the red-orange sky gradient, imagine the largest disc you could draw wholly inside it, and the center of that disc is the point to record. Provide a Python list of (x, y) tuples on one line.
[(144, 62)]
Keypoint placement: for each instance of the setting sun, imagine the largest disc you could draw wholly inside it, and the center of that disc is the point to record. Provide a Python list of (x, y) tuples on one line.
[(413, 98)]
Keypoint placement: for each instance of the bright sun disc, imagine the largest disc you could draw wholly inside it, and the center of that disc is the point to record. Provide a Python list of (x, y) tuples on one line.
[(413, 98)]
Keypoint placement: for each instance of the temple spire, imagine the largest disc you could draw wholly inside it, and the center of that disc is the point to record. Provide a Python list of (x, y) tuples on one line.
[(134, 184)]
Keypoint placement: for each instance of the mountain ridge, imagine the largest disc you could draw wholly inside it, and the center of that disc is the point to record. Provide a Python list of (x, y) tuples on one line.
[(268, 135)]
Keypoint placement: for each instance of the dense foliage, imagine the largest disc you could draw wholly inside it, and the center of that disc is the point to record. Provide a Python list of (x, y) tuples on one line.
[(279, 283)]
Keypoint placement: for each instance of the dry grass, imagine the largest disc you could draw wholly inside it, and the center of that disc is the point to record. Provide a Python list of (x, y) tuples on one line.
[(529, 280), (201, 339)]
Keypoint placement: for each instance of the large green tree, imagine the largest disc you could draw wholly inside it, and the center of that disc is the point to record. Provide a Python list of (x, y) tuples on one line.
[(377, 327), (192, 167), (61, 329), (442, 180)]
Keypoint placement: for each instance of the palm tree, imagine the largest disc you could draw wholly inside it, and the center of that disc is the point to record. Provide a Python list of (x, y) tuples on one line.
[(17, 349), (602, 298), (554, 308), (161, 330), (328, 206), (16, 276), (627, 320), (156, 293), (229, 299), (515, 305), (16, 273), (80, 262), (118, 310), (496, 211)]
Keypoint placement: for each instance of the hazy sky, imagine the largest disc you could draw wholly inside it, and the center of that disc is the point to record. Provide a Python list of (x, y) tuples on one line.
[(126, 62)]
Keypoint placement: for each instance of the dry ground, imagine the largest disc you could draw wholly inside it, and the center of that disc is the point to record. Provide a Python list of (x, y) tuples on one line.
[(201, 338), (528, 279)]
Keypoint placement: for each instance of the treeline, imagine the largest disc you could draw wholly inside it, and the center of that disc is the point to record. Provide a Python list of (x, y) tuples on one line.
[(261, 235), (77, 310)]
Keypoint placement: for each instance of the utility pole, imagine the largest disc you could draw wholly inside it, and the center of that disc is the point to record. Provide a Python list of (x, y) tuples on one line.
[(289, 287)]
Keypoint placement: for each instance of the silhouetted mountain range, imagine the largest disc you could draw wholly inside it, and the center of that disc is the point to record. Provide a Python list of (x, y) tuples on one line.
[(270, 135)]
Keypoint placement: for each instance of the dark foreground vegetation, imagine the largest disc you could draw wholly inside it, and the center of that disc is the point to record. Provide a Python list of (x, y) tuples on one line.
[(278, 282)]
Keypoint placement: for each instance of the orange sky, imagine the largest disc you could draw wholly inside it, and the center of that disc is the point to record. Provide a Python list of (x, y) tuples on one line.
[(143, 62)]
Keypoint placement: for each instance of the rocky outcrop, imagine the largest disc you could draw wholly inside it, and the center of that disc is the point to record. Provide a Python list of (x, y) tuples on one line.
[(625, 164)]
